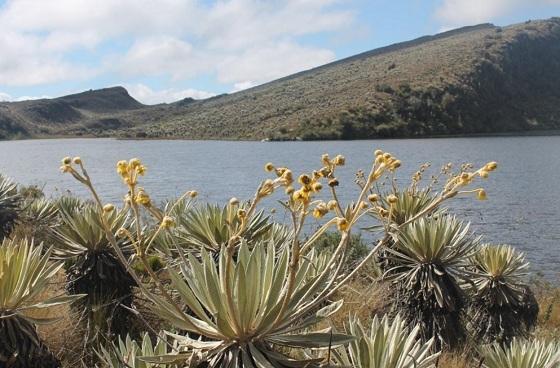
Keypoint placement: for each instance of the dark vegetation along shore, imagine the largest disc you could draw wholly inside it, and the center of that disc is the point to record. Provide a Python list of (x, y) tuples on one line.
[(474, 80)]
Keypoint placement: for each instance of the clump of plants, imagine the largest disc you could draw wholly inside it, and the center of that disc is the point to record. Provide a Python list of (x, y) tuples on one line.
[(93, 266), (256, 301), (502, 305), (387, 344), (522, 354), (25, 270), (10, 202)]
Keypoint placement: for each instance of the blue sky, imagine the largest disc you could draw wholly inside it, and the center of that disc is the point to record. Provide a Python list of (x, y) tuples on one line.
[(165, 50)]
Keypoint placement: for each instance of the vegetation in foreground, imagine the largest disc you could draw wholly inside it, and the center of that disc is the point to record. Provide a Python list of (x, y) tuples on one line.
[(188, 285)]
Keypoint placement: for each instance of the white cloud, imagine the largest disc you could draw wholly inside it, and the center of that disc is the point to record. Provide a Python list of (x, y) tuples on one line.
[(5, 97), (178, 39), (454, 13), (148, 96), (240, 86), (270, 62)]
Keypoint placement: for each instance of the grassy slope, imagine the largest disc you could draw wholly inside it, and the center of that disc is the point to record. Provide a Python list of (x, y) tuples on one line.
[(481, 79)]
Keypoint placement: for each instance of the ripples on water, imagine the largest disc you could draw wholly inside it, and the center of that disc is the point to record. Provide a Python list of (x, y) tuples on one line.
[(522, 209)]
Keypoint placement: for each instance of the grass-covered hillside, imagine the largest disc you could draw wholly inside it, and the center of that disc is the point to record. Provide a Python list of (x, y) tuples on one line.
[(481, 79)]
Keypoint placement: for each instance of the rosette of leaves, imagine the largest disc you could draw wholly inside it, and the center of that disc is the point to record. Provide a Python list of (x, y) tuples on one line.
[(129, 353), (93, 268), (37, 220), (387, 344), (428, 264), (250, 308), (522, 354), (211, 226), (503, 306), (409, 204), (10, 202), (25, 271)]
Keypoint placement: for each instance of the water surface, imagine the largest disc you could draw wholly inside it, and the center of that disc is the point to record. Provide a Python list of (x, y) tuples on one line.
[(523, 208)]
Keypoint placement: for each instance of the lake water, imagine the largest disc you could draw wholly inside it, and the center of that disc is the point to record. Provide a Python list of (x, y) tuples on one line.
[(523, 207)]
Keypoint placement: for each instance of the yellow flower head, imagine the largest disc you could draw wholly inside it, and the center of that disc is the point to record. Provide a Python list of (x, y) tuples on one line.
[(342, 224), (317, 187), (320, 211), (143, 198), (269, 167), (481, 195), (287, 176), (141, 170), (373, 198), (122, 167), (333, 183), (396, 164), (122, 232), (65, 168), (241, 213), (363, 205), (168, 222), (193, 194), (304, 179), (339, 160), (109, 207), (66, 160), (300, 195), (484, 174), (77, 160), (325, 159), (325, 172), (392, 199), (331, 205), (378, 153), (134, 163), (491, 166)]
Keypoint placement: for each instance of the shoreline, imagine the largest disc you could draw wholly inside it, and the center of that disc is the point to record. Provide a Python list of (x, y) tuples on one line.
[(536, 133)]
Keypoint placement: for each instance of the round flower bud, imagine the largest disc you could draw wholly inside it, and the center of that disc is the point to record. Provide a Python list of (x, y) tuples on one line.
[(482, 195), (234, 202), (269, 167), (331, 205), (333, 183), (77, 160), (193, 193), (289, 190), (66, 161), (167, 222), (109, 207), (134, 163), (484, 174), (342, 224), (304, 179), (373, 197), (491, 166), (241, 213), (339, 160), (378, 153), (317, 187), (392, 199)]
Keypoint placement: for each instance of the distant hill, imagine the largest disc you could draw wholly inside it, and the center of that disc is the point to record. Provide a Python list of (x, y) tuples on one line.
[(474, 80)]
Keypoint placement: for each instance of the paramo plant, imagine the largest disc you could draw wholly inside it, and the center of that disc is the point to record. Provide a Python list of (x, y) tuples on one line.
[(502, 305), (387, 344), (10, 202), (25, 271), (129, 353), (522, 354), (258, 304)]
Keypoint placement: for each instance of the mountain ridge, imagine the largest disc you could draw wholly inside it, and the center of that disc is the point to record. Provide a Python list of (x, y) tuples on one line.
[(479, 79)]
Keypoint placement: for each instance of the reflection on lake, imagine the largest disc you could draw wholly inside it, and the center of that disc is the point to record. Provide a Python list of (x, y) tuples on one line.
[(523, 208)]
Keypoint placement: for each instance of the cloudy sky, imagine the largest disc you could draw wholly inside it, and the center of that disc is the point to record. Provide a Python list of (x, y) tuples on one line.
[(165, 50)]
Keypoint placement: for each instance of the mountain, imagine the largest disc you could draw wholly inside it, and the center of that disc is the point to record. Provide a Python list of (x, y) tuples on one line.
[(474, 80)]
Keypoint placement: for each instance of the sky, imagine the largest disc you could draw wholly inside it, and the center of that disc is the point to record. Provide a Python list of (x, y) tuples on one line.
[(166, 50)]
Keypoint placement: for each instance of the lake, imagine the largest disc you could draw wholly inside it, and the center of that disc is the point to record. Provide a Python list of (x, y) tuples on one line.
[(523, 206)]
